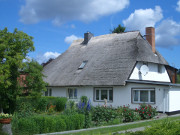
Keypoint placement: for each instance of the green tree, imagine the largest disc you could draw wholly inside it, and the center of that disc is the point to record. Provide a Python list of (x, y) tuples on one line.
[(34, 79), (14, 48), (118, 29)]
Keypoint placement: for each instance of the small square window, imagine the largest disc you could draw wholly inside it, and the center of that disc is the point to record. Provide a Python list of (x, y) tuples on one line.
[(48, 92), (72, 93), (103, 93)]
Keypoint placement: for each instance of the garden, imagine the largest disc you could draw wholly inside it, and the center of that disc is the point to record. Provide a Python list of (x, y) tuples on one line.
[(56, 114)]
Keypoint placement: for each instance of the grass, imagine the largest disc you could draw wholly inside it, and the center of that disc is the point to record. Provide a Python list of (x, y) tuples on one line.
[(111, 130)]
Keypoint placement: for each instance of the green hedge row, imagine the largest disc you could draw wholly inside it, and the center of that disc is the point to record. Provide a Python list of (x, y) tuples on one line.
[(46, 124), (42, 104)]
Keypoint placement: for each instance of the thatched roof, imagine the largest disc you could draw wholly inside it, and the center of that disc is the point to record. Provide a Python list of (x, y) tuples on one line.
[(111, 59)]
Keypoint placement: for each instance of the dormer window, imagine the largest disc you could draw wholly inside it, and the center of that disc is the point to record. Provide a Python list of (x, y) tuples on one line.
[(82, 64)]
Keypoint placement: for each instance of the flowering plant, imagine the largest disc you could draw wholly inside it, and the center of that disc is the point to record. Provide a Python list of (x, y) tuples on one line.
[(146, 111), (5, 116)]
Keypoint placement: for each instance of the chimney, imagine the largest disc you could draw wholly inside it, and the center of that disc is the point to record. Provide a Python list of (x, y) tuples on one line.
[(150, 37), (87, 37)]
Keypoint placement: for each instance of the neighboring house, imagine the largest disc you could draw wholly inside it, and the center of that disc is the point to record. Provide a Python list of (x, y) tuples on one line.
[(122, 68)]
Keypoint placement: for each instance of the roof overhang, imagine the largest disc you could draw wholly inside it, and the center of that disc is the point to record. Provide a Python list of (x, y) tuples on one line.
[(153, 82)]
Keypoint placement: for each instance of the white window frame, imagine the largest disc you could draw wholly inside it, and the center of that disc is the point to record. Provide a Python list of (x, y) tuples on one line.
[(48, 92), (100, 89), (73, 96), (149, 95)]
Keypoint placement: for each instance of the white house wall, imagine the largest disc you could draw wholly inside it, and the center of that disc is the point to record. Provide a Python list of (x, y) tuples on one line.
[(174, 99), (152, 75), (121, 95)]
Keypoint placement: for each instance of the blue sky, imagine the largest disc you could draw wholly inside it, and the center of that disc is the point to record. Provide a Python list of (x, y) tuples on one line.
[(54, 24)]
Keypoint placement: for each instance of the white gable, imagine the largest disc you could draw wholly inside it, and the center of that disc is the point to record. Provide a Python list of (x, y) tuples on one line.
[(152, 75)]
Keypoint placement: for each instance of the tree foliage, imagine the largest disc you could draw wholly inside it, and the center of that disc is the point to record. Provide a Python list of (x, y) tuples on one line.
[(14, 48), (34, 79), (118, 29)]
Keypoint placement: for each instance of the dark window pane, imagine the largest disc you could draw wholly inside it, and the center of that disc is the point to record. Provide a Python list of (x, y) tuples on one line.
[(70, 91), (110, 95), (50, 92), (103, 94), (75, 93), (135, 95), (46, 93), (97, 94), (153, 96), (144, 96)]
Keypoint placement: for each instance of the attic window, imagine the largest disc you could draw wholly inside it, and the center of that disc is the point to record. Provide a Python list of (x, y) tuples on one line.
[(82, 64)]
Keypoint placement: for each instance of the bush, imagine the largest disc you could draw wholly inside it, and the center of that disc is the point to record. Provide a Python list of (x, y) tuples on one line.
[(42, 104), (102, 115), (146, 111), (128, 114), (60, 104), (163, 128), (84, 99), (45, 124)]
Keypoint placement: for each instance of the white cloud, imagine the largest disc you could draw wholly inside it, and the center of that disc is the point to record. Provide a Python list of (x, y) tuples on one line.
[(61, 11), (142, 18), (70, 39), (41, 58), (178, 6), (168, 34)]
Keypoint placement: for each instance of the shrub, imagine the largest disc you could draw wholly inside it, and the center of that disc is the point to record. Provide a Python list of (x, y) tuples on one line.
[(60, 104), (45, 124), (146, 111), (128, 114), (70, 108), (84, 99), (103, 114), (42, 104)]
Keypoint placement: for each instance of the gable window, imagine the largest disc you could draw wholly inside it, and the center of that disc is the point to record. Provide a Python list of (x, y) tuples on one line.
[(72, 93), (159, 68), (103, 93), (48, 92), (143, 95), (82, 64)]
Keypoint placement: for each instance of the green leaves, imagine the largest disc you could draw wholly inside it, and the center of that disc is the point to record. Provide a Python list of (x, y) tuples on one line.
[(14, 47)]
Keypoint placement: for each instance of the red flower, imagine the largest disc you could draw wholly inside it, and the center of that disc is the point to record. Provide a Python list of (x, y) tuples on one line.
[(130, 114), (149, 114), (142, 108), (145, 107), (136, 109), (124, 109), (143, 112)]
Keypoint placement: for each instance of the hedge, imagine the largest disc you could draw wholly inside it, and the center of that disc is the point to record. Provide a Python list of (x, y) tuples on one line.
[(42, 104), (46, 124)]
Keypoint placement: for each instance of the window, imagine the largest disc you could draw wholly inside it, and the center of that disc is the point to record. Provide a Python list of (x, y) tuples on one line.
[(159, 68), (72, 93), (82, 64), (143, 95), (48, 92), (103, 93)]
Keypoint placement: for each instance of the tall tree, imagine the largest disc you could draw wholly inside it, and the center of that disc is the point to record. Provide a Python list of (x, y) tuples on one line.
[(34, 79), (14, 48), (118, 29)]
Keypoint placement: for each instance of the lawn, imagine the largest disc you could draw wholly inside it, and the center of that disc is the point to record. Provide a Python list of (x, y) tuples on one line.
[(111, 130)]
